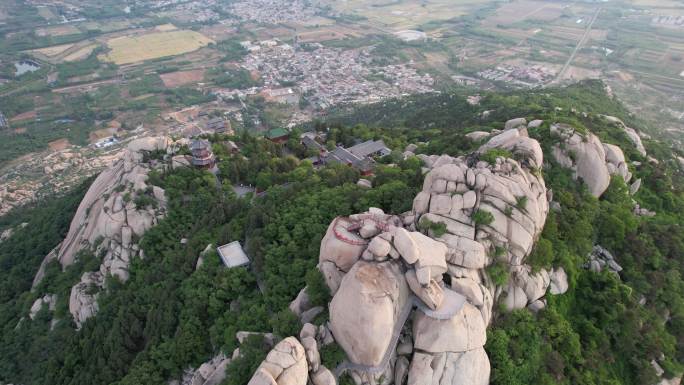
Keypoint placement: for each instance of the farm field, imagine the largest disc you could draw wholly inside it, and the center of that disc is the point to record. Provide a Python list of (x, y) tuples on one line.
[(59, 30), (46, 13), (327, 34), (81, 53), (313, 22), (180, 78), (524, 10), (53, 50), (165, 27), (132, 49), (657, 3), (405, 14), (65, 52), (107, 26)]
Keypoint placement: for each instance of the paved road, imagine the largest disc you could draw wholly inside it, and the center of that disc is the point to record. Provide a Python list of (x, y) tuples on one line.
[(579, 45)]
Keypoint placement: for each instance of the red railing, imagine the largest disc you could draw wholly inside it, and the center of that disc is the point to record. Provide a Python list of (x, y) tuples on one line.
[(343, 238), (355, 225)]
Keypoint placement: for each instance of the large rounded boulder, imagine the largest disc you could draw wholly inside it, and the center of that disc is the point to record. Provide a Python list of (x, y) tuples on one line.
[(366, 309)]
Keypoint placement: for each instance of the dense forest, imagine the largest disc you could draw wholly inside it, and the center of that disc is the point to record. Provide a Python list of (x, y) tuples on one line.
[(170, 316)]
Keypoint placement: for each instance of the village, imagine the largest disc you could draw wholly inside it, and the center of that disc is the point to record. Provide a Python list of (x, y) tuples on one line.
[(328, 76), (529, 76), (273, 11)]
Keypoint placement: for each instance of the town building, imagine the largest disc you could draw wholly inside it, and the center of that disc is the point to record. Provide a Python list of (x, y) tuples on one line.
[(233, 255), (202, 156), (106, 142), (370, 148), (277, 135), (311, 143), (281, 95), (217, 125), (360, 156)]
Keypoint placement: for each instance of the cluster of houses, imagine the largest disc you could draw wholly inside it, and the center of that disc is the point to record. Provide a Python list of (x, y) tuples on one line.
[(360, 156)]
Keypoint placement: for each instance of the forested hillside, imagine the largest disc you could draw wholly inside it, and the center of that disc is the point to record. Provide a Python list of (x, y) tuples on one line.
[(169, 316)]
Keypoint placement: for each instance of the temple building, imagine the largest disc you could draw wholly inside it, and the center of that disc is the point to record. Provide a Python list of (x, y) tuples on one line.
[(360, 156), (277, 135), (202, 156)]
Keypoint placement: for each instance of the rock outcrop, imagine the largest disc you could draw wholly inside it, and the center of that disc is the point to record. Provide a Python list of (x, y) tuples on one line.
[(411, 296), (286, 364), (450, 368), (589, 159), (48, 299), (212, 372), (631, 133), (110, 219), (600, 258), (377, 292), (83, 298), (6, 234)]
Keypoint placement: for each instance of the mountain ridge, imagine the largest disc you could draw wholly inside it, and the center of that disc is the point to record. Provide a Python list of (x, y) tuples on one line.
[(168, 316)]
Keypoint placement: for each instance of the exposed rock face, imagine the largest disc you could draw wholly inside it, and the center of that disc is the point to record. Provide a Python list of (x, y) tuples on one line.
[(592, 161), (452, 192), (535, 123), (671, 381), (515, 123), (372, 295), (477, 135), (379, 267), (463, 332), (284, 365), (6, 234), (559, 281), (212, 372), (365, 183), (323, 376), (462, 368), (615, 162), (82, 302), (108, 221), (642, 211), (48, 299), (600, 258), (631, 133), (634, 187), (241, 336)]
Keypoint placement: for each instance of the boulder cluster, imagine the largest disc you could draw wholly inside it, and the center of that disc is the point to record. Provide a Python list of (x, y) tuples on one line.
[(7, 233), (411, 296), (631, 133), (589, 159), (212, 372), (109, 221), (48, 299), (600, 259)]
